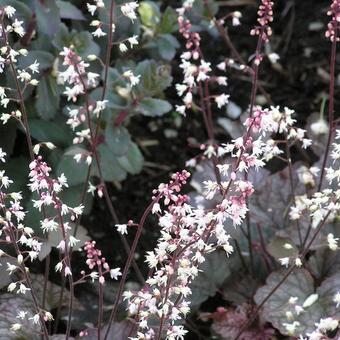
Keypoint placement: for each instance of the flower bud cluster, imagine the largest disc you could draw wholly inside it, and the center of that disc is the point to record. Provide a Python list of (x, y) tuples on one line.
[(265, 17), (95, 260), (333, 25)]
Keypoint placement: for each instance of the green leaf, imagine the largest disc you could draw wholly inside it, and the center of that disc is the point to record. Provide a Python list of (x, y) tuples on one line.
[(153, 107), (75, 173), (154, 78), (45, 59), (117, 139), (299, 284), (110, 167), (169, 23), (133, 160), (167, 45), (56, 132), (214, 272), (149, 13), (48, 97), (48, 16), (69, 11), (82, 42)]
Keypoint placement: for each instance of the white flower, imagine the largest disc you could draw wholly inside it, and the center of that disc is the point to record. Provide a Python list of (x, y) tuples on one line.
[(222, 100), (134, 80), (22, 315), (91, 8), (95, 23), (332, 242), (284, 261), (122, 228), (310, 300), (5, 117), (129, 10), (20, 259), (17, 27), (156, 208), (221, 66), (48, 316), (94, 276), (48, 225), (2, 156), (9, 11), (99, 33), (292, 300), (73, 241), (78, 210), (24, 76), (222, 81), (181, 109), (34, 67), (11, 268), (306, 143), (35, 318), (298, 262), (15, 327), (68, 271), (58, 267), (181, 88), (336, 299), (327, 324), (151, 259), (23, 289), (273, 57), (11, 286), (133, 40), (291, 327), (122, 47), (91, 189), (115, 273), (320, 127)]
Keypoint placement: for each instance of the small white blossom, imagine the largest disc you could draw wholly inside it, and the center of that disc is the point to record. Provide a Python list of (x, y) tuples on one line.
[(115, 273), (310, 300), (222, 100), (122, 228)]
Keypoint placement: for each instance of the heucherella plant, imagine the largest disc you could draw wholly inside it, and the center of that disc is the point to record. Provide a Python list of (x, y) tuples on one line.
[(294, 297)]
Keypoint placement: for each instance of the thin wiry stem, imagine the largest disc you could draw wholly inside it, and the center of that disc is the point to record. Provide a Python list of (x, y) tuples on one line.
[(127, 265), (330, 109)]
